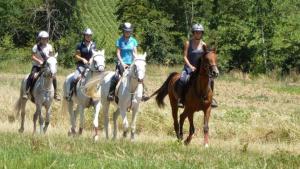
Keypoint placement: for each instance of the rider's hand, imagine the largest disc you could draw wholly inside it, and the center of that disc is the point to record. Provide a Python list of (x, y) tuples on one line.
[(193, 68), (85, 61), (125, 66), (41, 62)]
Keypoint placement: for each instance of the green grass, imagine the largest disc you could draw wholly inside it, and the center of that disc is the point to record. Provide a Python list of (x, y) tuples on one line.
[(26, 151), (99, 16), (250, 129), (287, 89)]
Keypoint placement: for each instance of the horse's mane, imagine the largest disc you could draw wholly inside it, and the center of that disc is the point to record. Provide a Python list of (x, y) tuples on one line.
[(198, 65)]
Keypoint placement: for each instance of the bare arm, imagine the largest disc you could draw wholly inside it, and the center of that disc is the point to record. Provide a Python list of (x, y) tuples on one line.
[(35, 58), (134, 52), (185, 53), (119, 56), (79, 58)]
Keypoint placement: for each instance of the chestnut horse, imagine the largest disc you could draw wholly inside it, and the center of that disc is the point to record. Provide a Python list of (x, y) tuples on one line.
[(198, 95)]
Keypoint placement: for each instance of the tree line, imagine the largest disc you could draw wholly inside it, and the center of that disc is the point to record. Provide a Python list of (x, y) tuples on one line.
[(251, 35)]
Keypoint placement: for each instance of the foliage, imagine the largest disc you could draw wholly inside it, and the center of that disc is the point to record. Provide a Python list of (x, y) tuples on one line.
[(250, 35), (253, 36)]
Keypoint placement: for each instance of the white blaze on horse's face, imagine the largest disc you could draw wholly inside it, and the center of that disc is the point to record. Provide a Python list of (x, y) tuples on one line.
[(140, 64), (98, 61), (51, 66)]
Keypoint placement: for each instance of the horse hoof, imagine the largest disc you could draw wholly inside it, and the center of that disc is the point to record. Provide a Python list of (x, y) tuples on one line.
[(21, 130), (96, 138), (80, 131), (132, 136), (71, 132), (186, 142), (206, 145), (180, 137), (124, 134)]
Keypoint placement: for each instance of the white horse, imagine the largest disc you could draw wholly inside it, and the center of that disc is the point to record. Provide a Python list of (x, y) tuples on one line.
[(42, 95), (129, 92), (85, 96)]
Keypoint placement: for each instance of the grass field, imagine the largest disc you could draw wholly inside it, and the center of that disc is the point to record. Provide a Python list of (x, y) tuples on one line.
[(257, 125)]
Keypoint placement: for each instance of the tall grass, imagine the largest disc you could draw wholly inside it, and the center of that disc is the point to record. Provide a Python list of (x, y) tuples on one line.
[(255, 126)]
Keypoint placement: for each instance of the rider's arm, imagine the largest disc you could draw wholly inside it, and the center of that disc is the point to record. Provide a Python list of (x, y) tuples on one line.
[(35, 58), (79, 58), (185, 53), (51, 51), (119, 56), (134, 53)]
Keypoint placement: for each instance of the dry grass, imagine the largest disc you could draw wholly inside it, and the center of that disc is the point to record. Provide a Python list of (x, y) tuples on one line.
[(251, 114)]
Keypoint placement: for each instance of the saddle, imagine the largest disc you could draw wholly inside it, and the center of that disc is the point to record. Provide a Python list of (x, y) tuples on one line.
[(32, 84)]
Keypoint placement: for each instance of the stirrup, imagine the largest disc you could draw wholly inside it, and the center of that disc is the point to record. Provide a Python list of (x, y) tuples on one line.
[(145, 98), (214, 103), (56, 97), (110, 97), (69, 97), (179, 104)]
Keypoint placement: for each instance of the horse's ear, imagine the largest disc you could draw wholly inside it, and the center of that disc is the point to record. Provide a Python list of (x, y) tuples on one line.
[(56, 54), (145, 55), (102, 51)]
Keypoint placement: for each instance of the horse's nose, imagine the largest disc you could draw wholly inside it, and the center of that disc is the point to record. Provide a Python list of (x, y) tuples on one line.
[(215, 72), (101, 68), (140, 80)]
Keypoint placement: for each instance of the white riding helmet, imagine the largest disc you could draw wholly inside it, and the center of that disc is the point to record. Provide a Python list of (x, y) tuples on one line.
[(43, 34), (127, 27), (87, 31), (197, 27)]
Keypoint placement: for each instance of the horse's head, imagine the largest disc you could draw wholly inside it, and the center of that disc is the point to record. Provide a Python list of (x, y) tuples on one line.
[(97, 62), (50, 66), (209, 64), (138, 68)]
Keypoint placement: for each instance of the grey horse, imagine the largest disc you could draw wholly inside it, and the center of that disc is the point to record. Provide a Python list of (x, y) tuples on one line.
[(85, 96), (129, 92), (42, 95)]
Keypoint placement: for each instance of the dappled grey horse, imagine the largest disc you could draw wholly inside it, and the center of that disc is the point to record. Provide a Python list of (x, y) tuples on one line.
[(129, 92), (85, 96), (42, 92)]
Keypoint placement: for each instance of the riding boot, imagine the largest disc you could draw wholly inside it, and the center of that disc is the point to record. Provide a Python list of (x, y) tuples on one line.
[(145, 97), (28, 87), (56, 97), (72, 88), (181, 95), (214, 103), (113, 84)]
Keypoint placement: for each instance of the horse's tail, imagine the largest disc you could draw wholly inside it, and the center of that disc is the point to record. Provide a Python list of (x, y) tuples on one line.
[(17, 106), (64, 101), (163, 91)]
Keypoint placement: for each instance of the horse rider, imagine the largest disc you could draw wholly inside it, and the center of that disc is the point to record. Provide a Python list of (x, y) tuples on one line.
[(40, 53), (84, 52), (126, 52), (194, 49)]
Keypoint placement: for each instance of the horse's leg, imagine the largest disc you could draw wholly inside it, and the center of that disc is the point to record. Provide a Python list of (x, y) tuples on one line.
[(41, 120), (205, 127), (192, 128), (174, 106), (133, 121), (125, 121), (181, 122), (35, 116), (115, 118), (72, 118), (106, 119), (81, 124), (23, 105), (97, 106), (47, 121)]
